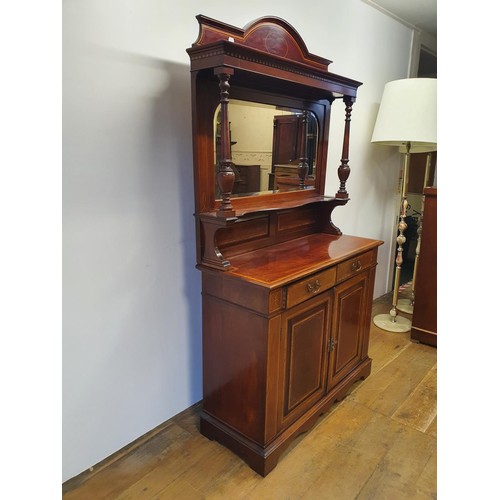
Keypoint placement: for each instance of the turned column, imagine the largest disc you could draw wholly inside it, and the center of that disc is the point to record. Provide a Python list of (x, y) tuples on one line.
[(225, 172), (344, 169)]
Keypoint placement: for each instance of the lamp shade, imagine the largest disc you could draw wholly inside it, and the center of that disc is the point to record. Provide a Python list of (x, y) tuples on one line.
[(407, 114)]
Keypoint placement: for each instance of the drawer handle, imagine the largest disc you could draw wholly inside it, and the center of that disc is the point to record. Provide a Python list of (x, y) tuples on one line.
[(313, 287), (356, 266)]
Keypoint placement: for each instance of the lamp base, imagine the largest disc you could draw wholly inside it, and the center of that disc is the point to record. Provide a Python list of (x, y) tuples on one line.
[(405, 305), (385, 322)]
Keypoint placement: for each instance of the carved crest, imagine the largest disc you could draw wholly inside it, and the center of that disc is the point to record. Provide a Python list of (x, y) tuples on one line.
[(268, 34)]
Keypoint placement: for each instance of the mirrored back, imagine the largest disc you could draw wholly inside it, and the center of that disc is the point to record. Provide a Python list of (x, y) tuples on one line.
[(268, 144)]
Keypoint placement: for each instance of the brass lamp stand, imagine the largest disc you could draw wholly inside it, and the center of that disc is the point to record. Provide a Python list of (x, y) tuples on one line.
[(392, 321), (406, 305)]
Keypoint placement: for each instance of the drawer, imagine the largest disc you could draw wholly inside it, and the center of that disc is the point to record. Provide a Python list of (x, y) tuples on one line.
[(310, 286), (356, 264)]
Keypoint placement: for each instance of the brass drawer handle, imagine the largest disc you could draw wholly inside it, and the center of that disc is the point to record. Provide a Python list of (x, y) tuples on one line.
[(356, 266), (313, 287)]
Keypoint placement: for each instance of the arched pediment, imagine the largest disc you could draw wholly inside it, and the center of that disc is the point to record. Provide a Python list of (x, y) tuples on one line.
[(271, 35)]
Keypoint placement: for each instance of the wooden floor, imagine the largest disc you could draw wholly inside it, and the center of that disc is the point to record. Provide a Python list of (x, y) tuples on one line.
[(377, 443)]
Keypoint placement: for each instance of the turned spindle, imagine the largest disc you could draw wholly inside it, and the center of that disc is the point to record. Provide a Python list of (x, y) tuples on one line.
[(344, 170), (225, 172)]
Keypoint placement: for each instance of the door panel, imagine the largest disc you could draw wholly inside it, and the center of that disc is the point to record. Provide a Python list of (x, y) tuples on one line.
[(349, 327), (304, 336)]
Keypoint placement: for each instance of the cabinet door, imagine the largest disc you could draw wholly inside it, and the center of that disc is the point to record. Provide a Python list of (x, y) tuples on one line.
[(350, 312), (305, 330)]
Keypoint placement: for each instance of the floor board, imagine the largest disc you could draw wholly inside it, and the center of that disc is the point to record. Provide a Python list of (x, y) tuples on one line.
[(379, 442)]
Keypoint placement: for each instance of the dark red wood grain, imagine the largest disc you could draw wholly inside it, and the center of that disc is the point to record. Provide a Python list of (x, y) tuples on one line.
[(286, 296)]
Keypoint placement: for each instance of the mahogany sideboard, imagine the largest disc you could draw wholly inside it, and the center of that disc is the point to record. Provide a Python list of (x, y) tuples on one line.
[(286, 297)]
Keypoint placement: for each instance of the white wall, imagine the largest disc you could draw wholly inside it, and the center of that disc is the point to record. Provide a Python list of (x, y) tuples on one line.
[(131, 308)]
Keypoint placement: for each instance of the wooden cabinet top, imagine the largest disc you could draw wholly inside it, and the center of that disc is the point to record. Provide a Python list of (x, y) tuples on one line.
[(285, 262)]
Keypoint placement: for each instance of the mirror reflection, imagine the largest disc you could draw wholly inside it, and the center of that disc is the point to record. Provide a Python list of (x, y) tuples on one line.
[(267, 144)]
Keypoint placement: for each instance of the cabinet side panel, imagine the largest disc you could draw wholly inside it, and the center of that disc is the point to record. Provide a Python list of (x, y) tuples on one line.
[(370, 286), (234, 366), (241, 293), (272, 378)]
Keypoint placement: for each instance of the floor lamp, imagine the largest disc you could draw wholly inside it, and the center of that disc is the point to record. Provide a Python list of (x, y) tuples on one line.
[(406, 118)]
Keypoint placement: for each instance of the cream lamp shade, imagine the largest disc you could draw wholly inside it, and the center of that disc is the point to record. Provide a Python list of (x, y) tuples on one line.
[(407, 114)]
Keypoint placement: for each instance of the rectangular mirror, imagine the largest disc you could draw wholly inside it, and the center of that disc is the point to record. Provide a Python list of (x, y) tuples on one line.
[(267, 144)]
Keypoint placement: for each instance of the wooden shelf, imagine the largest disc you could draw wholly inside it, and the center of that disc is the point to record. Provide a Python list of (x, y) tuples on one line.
[(265, 201)]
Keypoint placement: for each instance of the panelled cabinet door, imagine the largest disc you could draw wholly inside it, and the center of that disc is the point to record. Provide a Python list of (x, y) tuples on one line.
[(349, 327), (305, 330)]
